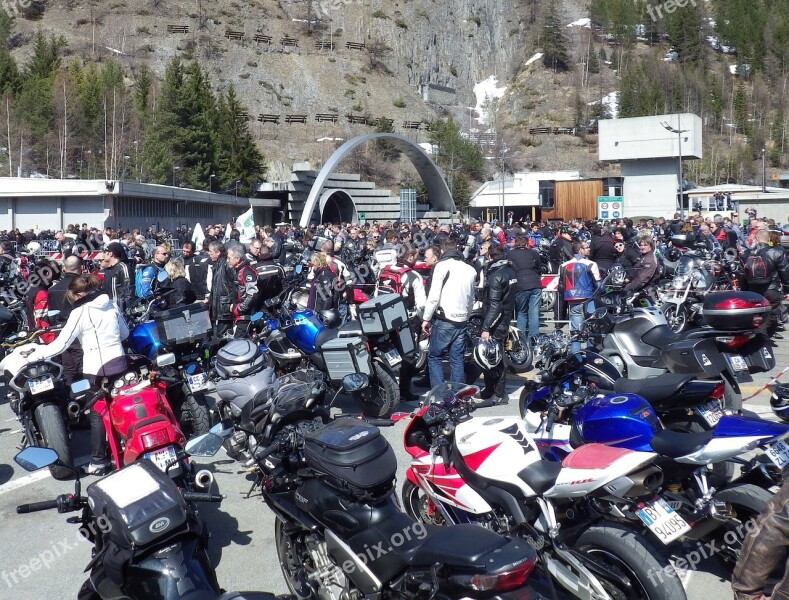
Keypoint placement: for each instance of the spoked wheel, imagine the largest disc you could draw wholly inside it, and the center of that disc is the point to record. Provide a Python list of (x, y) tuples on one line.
[(518, 352), (642, 571), (418, 506), (295, 562), (677, 318), (547, 300)]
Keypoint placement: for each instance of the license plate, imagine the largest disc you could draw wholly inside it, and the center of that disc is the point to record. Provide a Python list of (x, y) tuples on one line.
[(778, 452), (161, 458), (197, 382), (393, 357), (661, 520), (737, 362), (42, 384), (710, 412)]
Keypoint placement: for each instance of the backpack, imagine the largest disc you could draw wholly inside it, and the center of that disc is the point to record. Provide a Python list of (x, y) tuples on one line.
[(391, 280), (756, 270), (577, 282)]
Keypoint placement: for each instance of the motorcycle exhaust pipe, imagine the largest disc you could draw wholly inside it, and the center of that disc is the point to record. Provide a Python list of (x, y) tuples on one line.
[(645, 482), (73, 409), (204, 479)]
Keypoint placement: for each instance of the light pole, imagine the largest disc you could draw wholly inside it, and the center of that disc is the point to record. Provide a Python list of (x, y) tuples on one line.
[(236, 186), (679, 133), (136, 164), (211, 183), (174, 170), (764, 172)]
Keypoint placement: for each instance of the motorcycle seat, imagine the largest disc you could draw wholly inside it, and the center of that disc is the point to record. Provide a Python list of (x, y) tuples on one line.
[(325, 336), (594, 456), (677, 443), (350, 329), (541, 475), (458, 545), (653, 389)]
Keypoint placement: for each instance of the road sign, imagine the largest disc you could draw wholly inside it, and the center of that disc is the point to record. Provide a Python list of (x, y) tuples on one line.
[(362, 217), (610, 207)]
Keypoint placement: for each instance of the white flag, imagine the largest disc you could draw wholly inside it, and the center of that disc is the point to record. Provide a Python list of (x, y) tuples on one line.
[(246, 225), (228, 229), (198, 237)]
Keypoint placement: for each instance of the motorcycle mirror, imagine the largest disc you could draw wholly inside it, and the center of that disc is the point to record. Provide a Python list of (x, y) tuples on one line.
[(207, 444), (540, 377), (162, 276), (600, 313), (83, 385), (33, 458), (164, 360), (355, 382), (256, 317), (223, 429)]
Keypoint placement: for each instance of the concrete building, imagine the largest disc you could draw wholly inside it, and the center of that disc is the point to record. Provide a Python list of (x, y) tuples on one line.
[(649, 151), (769, 202), (41, 204)]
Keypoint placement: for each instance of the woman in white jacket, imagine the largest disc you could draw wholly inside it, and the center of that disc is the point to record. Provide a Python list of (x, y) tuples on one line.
[(97, 324)]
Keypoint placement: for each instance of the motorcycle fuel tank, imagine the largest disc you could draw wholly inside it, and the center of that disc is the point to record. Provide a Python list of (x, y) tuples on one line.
[(623, 420), (144, 339), (305, 330)]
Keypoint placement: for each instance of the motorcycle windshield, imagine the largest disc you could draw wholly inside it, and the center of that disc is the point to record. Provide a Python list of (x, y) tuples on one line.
[(686, 264), (450, 393)]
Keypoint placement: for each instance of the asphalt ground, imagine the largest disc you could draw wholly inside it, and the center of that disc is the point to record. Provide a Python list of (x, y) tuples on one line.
[(42, 557)]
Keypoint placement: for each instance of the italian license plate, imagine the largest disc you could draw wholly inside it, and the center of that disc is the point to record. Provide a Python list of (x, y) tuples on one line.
[(197, 382), (778, 452), (42, 384), (710, 412), (393, 357), (663, 521), (737, 362), (161, 458)]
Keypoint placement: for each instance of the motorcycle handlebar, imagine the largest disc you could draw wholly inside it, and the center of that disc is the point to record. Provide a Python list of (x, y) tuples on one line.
[(36, 506), (165, 379), (262, 453), (202, 497), (379, 422), (552, 414), (445, 456)]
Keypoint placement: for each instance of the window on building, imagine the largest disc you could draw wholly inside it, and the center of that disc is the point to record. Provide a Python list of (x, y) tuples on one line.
[(547, 194), (612, 186)]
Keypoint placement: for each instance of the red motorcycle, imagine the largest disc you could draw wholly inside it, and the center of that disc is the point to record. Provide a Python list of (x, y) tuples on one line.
[(130, 397)]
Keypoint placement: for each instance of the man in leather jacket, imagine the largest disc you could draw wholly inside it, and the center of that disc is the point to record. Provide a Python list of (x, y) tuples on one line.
[(117, 279), (775, 259), (499, 302), (222, 292), (561, 250), (763, 549), (247, 293)]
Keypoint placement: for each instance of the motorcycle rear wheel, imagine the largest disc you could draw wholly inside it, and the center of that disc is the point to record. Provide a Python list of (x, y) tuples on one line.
[(52, 427), (387, 394), (748, 501), (633, 557)]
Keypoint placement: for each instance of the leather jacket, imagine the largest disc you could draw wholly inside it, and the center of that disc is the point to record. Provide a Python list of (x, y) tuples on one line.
[(776, 256), (247, 293), (223, 293), (499, 297)]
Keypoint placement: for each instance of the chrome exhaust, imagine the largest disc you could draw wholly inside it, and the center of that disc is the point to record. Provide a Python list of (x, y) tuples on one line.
[(73, 409), (204, 479)]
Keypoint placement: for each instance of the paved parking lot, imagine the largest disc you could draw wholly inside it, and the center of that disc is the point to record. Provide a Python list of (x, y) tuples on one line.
[(43, 556)]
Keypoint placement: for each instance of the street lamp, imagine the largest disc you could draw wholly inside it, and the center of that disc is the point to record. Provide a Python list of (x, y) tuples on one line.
[(211, 183), (764, 173), (174, 170), (136, 164), (236, 186), (679, 133)]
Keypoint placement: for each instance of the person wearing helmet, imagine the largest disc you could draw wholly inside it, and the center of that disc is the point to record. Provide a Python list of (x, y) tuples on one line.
[(499, 302)]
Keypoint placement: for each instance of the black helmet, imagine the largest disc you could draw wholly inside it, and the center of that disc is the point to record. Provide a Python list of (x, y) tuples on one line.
[(780, 400)]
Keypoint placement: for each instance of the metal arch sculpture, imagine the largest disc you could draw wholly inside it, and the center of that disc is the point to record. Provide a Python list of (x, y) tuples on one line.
[(437, 189)]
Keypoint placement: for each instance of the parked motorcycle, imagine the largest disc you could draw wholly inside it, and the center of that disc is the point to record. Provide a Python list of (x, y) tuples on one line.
[(131, 399), (39, 400), (183, 332), (488, 471), (339, 532), (148, 542)]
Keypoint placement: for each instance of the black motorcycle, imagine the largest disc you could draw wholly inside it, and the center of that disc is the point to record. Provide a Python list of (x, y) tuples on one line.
[(148, 542), (339, 532)]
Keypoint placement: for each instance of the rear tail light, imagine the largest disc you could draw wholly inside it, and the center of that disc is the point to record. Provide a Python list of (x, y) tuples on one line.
[(735, 341), (512, 578), (718, 392), (152, 439)]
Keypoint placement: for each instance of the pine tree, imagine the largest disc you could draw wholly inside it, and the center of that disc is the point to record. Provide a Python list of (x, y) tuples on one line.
[(385, 149), (196, 145), (142, 89), (554, 44), (594, 64), (741, 109), (162, 136), (238, 157)]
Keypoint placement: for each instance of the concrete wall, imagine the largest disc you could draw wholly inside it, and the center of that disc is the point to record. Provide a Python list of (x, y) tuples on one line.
[(645, 138), (650, 188)]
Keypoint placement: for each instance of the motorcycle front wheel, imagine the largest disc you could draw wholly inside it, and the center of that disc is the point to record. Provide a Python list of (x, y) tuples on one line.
[(637, 561), (676, 318), (52, 428), (293, 560), (194, 416), (419, 507), (518, 353)]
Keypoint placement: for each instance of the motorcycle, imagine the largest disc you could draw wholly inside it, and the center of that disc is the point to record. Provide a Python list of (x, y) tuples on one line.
[(183, 332), (339, 532), (577, 414), (298, 338), (148, 541), (640, 344), (38, 398), (488, 471), (131, 400)]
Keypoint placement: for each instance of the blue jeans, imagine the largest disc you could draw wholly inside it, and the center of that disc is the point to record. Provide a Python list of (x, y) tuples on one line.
[(527, 311), (446, 336), (576, 310)]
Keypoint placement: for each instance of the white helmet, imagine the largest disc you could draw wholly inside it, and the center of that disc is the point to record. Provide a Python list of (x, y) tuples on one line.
[(33, 247), (487, 354)]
